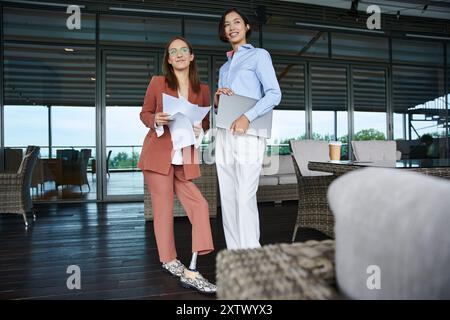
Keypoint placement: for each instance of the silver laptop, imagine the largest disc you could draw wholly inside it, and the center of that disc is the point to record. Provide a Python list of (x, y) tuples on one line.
[(232, 107)]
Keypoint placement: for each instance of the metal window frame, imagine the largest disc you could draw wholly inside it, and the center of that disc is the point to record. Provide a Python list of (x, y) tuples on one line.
[(350, 110), (446, 93), (2, 91)]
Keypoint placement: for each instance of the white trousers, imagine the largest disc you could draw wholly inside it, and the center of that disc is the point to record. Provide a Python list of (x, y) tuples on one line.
[(239, 162)]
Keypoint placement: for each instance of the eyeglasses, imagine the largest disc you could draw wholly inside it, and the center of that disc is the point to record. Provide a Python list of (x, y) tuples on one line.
[(184, 51)]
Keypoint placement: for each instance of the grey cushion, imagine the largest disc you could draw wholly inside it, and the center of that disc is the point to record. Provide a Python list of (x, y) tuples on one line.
[(398, 221), (286, 165), (374, 150), (269, 167), (277, 164), (310, 150), (287, 179), (268, 180)]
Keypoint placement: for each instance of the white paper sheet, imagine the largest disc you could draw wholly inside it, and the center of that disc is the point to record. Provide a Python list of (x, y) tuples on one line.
[(181, 131), (183, 114), (193, 112)]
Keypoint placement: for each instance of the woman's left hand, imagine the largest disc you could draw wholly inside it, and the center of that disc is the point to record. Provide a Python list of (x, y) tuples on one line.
[(240, 125), (197, 129)]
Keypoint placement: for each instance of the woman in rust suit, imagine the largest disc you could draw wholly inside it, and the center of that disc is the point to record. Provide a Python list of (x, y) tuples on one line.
[(167, 170)]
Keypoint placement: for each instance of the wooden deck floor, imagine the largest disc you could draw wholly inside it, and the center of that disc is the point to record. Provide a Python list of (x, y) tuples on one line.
[(119, 183), (115, 250)]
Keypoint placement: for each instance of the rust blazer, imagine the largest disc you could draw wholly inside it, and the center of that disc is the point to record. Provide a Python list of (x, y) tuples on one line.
[(156, 154)]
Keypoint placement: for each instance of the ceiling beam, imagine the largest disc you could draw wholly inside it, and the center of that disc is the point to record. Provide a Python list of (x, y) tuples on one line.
[(300, 53)]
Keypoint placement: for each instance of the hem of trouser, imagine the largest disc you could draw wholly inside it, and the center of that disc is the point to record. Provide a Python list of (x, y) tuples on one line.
[(167, 260), (204, 251)]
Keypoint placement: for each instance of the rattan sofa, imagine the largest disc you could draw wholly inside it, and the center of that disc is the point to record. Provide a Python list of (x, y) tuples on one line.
[(278, 181)]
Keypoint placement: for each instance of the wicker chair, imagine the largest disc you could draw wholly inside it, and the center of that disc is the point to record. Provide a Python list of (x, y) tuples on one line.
[(313, 210), (74, 167), (281, 271), (15, 187)]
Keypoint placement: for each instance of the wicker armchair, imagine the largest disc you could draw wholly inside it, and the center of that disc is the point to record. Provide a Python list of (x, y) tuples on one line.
[(281, 271), (313, 209), (15, 187)]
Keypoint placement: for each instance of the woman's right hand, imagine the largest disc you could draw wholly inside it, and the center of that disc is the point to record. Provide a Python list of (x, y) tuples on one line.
[(226, 91), (162, 118), (220, 91)]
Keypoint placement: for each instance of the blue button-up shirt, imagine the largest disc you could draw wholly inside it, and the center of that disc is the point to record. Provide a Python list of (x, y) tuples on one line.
[(249, 72)]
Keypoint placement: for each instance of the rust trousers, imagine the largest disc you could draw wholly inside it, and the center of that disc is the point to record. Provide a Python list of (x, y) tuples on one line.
[(162, 188)]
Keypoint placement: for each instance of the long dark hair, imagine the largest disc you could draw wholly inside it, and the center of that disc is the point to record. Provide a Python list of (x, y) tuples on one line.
[(222, 34), (171, 78)]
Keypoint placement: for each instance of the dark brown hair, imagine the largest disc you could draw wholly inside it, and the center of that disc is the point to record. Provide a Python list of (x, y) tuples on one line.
[(168, 72), (222, 34)]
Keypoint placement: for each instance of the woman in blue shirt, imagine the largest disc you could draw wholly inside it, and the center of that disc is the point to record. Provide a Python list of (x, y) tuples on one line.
[(248, 72)]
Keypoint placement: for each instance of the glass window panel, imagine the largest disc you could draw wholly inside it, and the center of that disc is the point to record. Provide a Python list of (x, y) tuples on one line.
[(369, 95), (448, 56), (49, 75), (294, 40), (204, 34), (358, 47), (217, 64), (47, 26), (127, 78), (123, 30), (329, 105), (329, 88), (80, 134), (39, 77), (289, 116), (286, 125), (26, 125), (291, 77), (411, 51), (203, 68), (370, 126), (419, 109)]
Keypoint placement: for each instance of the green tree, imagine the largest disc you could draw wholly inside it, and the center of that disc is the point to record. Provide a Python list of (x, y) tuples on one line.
[(124, 161), (369, 134)]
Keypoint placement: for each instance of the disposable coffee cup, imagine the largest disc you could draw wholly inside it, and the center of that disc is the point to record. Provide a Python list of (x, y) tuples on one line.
[(335, 150)]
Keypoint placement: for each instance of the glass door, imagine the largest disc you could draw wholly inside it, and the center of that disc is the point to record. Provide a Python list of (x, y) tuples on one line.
[(126, 77)]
